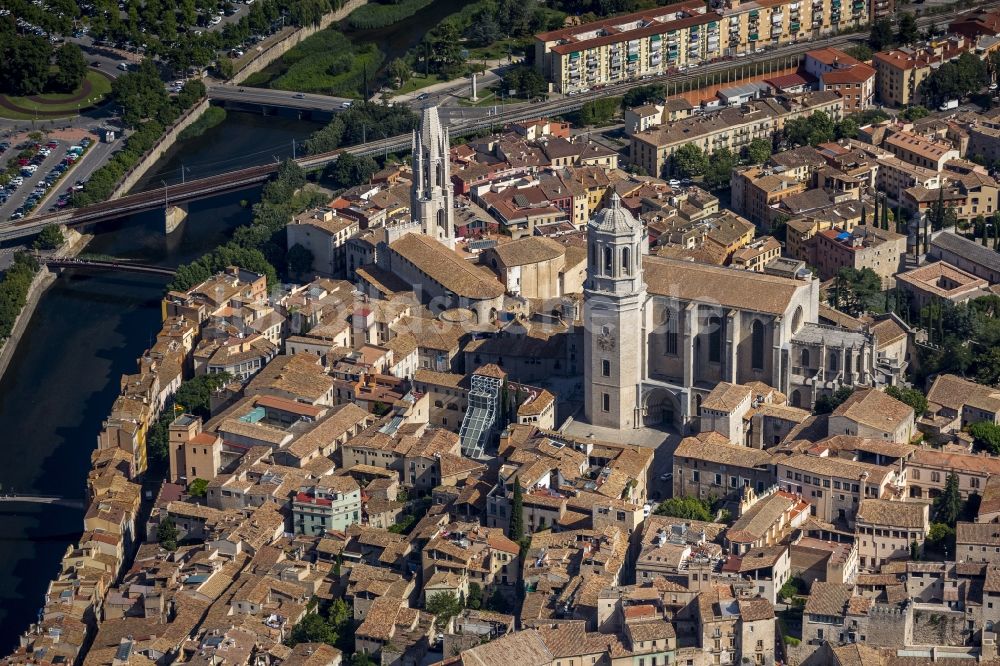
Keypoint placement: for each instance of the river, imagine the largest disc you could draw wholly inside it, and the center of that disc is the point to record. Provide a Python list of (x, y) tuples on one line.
[(88, 329)]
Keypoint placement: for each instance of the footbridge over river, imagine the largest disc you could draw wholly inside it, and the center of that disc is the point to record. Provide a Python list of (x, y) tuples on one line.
[(49, 500), (61, 265)]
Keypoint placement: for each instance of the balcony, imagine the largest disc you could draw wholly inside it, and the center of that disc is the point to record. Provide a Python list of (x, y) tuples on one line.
[(794, 27), (753, 37)]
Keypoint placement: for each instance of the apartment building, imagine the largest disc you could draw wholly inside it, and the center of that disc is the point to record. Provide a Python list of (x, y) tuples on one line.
[(835, 486), (901, 71), (681, 35), (919, 150), (843, 74), (865, 246), (328, 506), (927, 472), (756, 189), (885, 530), (709, 466), (731, 128), (873, 414)]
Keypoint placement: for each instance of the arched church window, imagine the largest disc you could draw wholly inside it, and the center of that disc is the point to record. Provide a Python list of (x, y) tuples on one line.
[(832, 362), (757, 345), (715, 340), (626, 261), (805, 358), (670, 325), (608, 266)]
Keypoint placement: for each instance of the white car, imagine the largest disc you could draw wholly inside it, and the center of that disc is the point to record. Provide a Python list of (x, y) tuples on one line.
[(673, 182), (216, 20), (17, 181), (345, 105), (123, 66)]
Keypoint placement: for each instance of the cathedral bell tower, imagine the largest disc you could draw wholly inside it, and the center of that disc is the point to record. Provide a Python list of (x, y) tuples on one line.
[(432, 199), (614, 297)]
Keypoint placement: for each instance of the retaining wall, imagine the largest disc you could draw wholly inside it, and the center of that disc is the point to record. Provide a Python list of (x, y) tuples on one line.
[(278, 49), (153, 155), (43, 280)]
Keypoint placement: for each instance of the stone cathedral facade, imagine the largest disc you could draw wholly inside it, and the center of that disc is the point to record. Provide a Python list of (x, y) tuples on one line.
[(661, 333), (432, 201)]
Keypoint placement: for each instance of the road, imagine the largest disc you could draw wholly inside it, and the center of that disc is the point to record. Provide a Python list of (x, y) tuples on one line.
[(98, 154), (284, 98)]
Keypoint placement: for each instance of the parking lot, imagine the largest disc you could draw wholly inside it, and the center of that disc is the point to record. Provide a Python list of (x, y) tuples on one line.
[(48, 168)]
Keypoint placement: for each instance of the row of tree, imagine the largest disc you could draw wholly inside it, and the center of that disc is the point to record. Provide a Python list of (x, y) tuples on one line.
[(364, 121), (955, 79), (965, 339), (690, 161), (149, 110), (14, 291)]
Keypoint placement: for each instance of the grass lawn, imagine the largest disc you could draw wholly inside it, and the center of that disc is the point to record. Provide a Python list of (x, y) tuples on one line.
[(486, 98), (67, 104), (416, 82), (499, 49)]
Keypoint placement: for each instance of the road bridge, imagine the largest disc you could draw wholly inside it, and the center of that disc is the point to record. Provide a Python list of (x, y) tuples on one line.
[(50, 500), (107, 265), (722, 71)]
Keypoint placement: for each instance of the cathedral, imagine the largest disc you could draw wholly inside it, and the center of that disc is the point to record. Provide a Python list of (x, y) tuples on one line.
[(661, 333), (432, 201)]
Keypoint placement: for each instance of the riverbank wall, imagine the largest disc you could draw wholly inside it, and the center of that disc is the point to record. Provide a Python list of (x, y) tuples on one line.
[(75, 242), (278, 49), (154, 154)]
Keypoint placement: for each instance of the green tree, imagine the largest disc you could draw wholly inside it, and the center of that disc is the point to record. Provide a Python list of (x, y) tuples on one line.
[(910, 396), (643, 95), (26, 64), (50, 238), (517, 513), (941, 537), (195, 395), (720, 168), (826, 404), (167, 534), (948, 505), (688, 161), (914, 112), (398, 71), (225, 68), (497, 602), (443, 606), (599, 111), (857, 291), (881, 34), (300, 259), (475, 598), (862, 52), (313, 628), (689, 508), (986, 436), (350, 170), (71, 68), (914, 550), (198, 488), (907, 32), (813, 130), (758, 151)]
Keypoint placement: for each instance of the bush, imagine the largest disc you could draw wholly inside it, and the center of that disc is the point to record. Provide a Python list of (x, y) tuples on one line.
[(909, 396), (50, 238), (329, 63), (689, 508)]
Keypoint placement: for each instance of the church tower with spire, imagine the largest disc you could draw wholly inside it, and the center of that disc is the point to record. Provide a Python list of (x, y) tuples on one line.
[(432, 198), (614, 299)]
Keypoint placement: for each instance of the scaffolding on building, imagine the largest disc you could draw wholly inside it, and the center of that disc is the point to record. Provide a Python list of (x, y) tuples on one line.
[(480, 419)]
